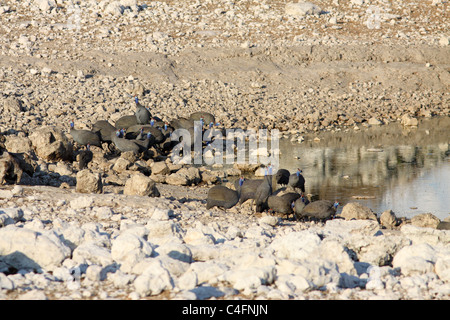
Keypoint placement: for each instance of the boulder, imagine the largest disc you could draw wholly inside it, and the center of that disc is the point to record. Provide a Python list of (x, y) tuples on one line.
[(355, 210), (89, 182), (302, 9), (51, 144), (388, 219), (141, 185), (425, 220), (22, 248)]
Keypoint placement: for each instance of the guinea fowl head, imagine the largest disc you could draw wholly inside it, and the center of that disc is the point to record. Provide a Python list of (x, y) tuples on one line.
[(136, 100), (299, 171), (149, 135), (292, 204), (241, 181), (336, 204), (72, 124), (152, 122)]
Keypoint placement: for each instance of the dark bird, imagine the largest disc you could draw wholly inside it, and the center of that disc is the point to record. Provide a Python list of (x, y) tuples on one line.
[(262, 193), (143, 116), (299, 204), (124, 145), (203, 116), (284, 203), (247, 189), (125, 122), (282, 176), (84, 137), (222, 197), (320, 209), (84, 157), (181, 123), (297, 180), (104, 129), (145, 143), (134, 131)]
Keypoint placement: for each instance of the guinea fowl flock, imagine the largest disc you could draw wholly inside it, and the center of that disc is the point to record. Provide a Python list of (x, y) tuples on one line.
[(266, 196), (139, 132)]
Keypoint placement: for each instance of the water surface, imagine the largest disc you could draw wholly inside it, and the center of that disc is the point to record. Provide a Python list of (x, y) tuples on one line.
[(406, 170)]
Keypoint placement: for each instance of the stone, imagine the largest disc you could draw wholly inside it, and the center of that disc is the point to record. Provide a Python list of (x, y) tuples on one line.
[(425, 220), (302, 9), (160, 167), (415, 259), (407, 120), (114, 8), (89, 182), (91, 253), (444, 41), (121, 165), (128, 249), (295, 245), (154, 280), (355, 210), (374, 121), (12, 105), (51, 144), (141, 185), (388, 219), (45, 5), (5, 282), (23, 248)]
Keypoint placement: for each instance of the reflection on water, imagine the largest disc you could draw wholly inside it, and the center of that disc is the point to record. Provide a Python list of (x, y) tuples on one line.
[(388, 167)]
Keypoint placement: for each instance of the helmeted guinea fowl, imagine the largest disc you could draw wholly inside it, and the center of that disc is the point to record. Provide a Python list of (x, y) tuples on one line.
[(143, 116), (296, 180), (262, 193), (125, 122), (146, 142), (124, 145), (320, 209), (221, 196), (84, 137), (203, 116), (284, 203), (282, 176), (84, 157), (104, 129)]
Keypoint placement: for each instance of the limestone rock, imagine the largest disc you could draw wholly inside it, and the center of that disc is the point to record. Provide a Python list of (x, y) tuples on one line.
[(141, 185), (51, 144), (89, 182), (355, 210), (302, 9), (23, 248), (425, 220)]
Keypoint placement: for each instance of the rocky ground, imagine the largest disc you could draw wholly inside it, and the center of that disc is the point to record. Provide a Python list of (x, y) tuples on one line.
[(254, 64)]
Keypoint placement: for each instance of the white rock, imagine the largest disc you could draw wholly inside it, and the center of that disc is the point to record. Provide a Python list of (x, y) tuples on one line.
[(154, 280), (91, 253), (128, 249), (81, 202), (26, 249), (187, 281), (121, 279), (415, 259), (45, 5), (114, 8), (5, 282), (444, 41), (295, 245), (302, 9)]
